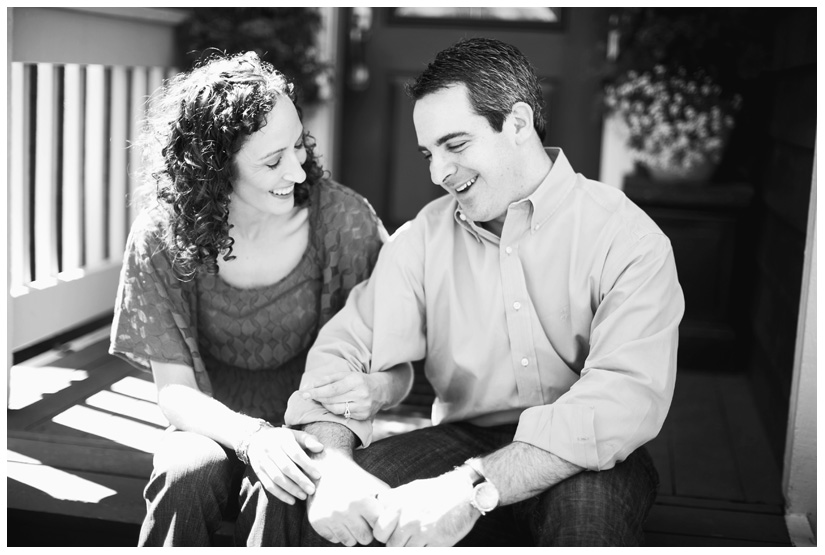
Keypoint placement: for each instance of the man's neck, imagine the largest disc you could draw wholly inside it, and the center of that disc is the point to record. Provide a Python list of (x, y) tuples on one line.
[(535, 174)]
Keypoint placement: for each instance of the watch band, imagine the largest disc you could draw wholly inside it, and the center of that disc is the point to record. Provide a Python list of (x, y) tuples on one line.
[(482, 487), (475, 465), (243, 446)]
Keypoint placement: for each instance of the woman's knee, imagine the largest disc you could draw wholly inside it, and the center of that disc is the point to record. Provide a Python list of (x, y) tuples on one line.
[(184, 457)]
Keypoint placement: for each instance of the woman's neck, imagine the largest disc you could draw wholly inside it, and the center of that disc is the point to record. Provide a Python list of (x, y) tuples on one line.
[(250, 223)]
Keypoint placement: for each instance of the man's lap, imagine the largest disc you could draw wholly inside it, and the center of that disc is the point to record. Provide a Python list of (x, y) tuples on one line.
[(596, 507)]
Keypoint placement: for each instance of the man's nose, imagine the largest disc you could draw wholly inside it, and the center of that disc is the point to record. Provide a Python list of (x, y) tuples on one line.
[(441, 169)]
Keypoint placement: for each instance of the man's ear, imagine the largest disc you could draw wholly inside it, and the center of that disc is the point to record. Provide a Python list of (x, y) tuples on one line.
[(522, 120)]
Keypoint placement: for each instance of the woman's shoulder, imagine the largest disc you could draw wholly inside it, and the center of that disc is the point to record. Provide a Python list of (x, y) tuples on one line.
[(332, 193), (147, 232), (338, 203)]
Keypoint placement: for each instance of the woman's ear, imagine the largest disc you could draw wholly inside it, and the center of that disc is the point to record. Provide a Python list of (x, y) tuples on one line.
[(522, 119)]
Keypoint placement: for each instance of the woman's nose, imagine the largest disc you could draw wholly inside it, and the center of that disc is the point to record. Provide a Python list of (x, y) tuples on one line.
[(295, 172)]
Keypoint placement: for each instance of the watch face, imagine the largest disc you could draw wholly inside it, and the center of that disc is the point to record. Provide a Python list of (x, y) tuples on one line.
[(486, 496)]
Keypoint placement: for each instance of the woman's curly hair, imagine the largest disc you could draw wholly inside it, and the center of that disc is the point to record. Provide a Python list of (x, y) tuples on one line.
[(195, 125)]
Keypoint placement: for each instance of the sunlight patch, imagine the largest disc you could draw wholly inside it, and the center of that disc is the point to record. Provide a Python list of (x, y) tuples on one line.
[(142, 437), (30, 384), (128, 406), (137, 388), (57, 483)]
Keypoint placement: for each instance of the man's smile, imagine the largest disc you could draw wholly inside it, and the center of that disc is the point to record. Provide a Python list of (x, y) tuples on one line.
[(464, 186)]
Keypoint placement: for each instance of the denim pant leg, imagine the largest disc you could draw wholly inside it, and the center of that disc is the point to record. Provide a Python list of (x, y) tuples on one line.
[(396, 460), (592, 508), (597, 509), (260, 521), (193, 482)]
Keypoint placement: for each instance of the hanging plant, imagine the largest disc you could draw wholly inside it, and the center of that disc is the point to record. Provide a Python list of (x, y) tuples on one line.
[(284, 37), (677, 122)]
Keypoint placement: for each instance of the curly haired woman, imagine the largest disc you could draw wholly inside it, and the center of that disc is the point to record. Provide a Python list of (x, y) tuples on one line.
[(245, 252)]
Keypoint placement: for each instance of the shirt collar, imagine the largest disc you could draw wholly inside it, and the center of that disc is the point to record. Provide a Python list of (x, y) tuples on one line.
[(549, 195), (544, 200)]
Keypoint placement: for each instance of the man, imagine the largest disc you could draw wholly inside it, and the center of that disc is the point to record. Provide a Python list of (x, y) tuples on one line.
[(546, 307)]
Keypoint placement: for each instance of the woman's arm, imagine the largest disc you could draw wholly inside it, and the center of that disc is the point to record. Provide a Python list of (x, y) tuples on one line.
[(277, 455), (363, 394)]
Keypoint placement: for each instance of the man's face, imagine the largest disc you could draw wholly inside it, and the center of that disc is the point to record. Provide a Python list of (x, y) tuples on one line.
[(467, 157)]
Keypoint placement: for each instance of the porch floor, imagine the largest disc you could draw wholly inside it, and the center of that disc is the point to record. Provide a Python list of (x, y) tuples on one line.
[(81, 426)]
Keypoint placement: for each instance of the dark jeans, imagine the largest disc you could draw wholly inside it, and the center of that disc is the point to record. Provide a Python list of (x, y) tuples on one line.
[(605, 508), (196, 484)]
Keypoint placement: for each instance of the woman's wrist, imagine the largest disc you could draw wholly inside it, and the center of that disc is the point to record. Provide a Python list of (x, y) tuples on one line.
[(242, 447)]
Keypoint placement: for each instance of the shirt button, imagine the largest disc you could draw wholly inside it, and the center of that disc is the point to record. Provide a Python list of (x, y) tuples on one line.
[(508, 250), (537, 227), (524, 362), (516, 305)]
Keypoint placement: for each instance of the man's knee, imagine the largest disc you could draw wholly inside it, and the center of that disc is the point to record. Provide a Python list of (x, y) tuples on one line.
[(597, 508)]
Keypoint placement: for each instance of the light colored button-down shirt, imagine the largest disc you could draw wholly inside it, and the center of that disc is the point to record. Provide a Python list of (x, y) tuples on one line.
[(566, 324)]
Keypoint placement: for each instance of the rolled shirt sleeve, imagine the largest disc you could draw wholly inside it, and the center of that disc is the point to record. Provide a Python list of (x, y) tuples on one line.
[(380, 326), (626, 386)]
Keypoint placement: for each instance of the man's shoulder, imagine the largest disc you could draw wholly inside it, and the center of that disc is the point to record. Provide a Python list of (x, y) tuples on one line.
[(614, 209)]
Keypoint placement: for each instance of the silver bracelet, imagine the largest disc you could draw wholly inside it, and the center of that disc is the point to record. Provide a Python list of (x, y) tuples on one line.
[(243, 445)]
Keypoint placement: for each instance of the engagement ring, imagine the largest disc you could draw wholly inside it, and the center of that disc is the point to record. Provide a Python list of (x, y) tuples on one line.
[(347, 413)]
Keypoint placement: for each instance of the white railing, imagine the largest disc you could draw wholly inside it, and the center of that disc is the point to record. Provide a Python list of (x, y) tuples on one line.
[(71, 180)]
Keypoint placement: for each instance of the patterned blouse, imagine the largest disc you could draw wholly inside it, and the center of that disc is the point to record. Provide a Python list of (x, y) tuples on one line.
[(247, 347)]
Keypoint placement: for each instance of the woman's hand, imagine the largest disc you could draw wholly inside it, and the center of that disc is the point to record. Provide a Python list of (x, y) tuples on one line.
[(363, 394), (280, 460)]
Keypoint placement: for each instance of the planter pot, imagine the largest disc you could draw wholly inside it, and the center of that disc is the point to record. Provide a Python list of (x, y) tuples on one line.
[(700, 173)]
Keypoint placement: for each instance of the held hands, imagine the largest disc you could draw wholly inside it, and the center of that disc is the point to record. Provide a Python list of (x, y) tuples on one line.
[(433, 512), (345, 506), (361, 393), (278, 457)]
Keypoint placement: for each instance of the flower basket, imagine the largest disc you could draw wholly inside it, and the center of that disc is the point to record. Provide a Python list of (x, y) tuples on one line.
[(677, 123)]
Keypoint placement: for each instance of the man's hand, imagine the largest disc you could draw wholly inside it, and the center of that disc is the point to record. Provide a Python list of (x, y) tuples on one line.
[(344, 507), (433, 512)]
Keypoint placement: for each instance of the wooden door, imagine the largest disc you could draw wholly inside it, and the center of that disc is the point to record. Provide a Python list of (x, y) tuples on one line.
[(378, 143)]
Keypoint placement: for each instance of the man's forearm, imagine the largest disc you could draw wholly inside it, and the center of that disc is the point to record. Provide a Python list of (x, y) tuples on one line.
[(520, 471), (333, 436)]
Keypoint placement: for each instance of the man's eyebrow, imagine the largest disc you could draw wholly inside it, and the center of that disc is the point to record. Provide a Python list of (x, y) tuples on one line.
[(444, 139)]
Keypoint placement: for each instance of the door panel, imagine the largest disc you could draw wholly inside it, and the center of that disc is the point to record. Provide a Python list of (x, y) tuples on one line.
[(380, 158)]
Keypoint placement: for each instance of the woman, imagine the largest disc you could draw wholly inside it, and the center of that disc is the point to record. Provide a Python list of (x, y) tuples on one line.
[(246, 251)]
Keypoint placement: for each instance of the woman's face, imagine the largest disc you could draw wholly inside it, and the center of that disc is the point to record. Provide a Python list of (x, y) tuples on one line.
[(268, 165)]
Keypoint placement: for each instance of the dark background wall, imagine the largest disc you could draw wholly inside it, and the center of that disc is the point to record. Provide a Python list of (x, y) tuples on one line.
[(782, 164)]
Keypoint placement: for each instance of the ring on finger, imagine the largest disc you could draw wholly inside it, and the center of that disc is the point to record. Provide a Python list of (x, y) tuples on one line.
[(347, 413)]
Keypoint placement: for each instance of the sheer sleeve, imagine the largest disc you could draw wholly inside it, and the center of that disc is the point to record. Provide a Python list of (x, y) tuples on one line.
[(155, 316), (349, 239)]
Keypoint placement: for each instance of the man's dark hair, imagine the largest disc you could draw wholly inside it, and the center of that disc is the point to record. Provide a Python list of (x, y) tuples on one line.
[(496, 74)]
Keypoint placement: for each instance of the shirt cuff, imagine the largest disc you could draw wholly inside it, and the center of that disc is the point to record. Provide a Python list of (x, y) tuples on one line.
[(300, 411), (566, 431)]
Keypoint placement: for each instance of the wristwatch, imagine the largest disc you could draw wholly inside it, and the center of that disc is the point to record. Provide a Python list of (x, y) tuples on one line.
[(485, 495)]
